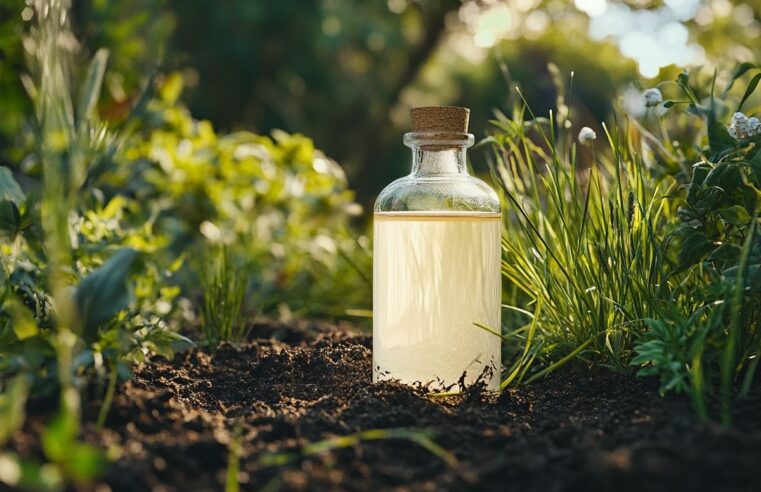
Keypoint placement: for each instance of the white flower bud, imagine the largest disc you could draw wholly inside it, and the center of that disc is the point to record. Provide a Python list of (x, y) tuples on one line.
[(587, 135), (653, 97)]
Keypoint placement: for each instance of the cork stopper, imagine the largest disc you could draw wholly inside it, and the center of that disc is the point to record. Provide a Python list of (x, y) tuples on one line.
[(447, 122), (445, 119)]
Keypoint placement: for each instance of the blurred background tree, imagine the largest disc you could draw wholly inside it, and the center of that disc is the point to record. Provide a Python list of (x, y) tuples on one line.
[(345, 72)]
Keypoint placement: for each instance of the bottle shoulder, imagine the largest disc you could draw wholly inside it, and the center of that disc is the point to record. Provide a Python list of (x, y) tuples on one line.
[(461, 193)]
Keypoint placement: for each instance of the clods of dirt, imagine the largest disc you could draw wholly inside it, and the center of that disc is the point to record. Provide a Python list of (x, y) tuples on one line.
[(299, 408)]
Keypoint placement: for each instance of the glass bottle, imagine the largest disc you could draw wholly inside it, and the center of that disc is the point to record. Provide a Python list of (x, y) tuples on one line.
[(437, 263)]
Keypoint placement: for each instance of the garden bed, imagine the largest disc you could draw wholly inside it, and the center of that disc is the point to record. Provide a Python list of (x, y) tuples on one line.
[(289, 387)]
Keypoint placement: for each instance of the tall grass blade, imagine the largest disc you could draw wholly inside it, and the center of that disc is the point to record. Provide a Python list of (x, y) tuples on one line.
[(90, 91), (729, 356)]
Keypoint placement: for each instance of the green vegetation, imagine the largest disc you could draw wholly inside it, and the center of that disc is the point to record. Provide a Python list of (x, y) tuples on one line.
[(710, 336), (588, 248), (223, 280), (128, 226), (95, 275), (281, 202), (639, 256)]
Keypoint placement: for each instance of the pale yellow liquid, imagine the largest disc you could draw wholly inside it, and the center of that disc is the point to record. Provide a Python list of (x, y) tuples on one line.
[(434, 276)]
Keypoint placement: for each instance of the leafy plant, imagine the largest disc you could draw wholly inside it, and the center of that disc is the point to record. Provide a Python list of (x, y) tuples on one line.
[(711, 334), (279, 202), (68, 312)]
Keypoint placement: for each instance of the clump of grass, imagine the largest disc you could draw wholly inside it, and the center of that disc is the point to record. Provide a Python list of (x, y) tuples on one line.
[(582, 240), (224, 279)]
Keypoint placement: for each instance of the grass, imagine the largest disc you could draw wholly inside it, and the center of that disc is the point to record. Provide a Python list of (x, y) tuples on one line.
[(233, 461), (583, 241), (625, 252), (418, 436), (223, 279)]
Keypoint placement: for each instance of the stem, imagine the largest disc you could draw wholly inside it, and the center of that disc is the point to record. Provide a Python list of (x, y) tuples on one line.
[(748, 379), (698, 390), (233, 462), (561, 362), (107, 399), (729, 357)]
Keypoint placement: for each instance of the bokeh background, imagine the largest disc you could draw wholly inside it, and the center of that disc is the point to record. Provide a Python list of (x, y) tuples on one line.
[(345, 72)]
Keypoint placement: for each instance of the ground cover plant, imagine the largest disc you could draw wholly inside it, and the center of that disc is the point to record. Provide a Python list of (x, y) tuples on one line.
[(183, 307)]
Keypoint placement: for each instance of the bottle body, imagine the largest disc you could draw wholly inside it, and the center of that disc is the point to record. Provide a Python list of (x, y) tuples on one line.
[(437, 273), (434, 276)]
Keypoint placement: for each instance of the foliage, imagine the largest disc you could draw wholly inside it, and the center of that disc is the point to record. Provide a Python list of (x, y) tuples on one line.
[(95, 250), (289, 64), (68, 314), (583, 240), (640, 256), (223, 280), (13, 100), (706, 339), (94, 238), (281, 203)]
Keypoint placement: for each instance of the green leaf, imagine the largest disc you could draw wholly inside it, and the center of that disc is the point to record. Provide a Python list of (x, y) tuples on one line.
[(9, 188), (726, 176), (699, 173), (719, 139), (694, 248), (753, 281), (166, 343), (12, 406), (24, 325), (10, 218), (85, 463), (171, 88), (728, 366), (81, 462), (103, 293), (90, 92), (738, 72), (725, 254), (749, 91), (29, 215), (735, 215), (58, 437)]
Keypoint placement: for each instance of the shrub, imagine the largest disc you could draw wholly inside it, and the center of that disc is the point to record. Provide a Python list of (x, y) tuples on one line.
[(283, 204)]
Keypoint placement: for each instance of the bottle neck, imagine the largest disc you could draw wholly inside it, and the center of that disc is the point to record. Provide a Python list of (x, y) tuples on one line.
[(432, 162)]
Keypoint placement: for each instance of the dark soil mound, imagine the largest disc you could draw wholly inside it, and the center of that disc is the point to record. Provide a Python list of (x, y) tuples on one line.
[(175, 420)]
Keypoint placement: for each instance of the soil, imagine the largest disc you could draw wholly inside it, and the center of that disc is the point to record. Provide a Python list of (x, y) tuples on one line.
[(176, 421)]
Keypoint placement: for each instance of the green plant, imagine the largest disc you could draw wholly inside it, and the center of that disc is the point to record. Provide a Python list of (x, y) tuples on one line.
[(705, 340), (233, 461), (583, 240), (421, 437), (280, 203), (223, 280), (69, 249), (71, 307)]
